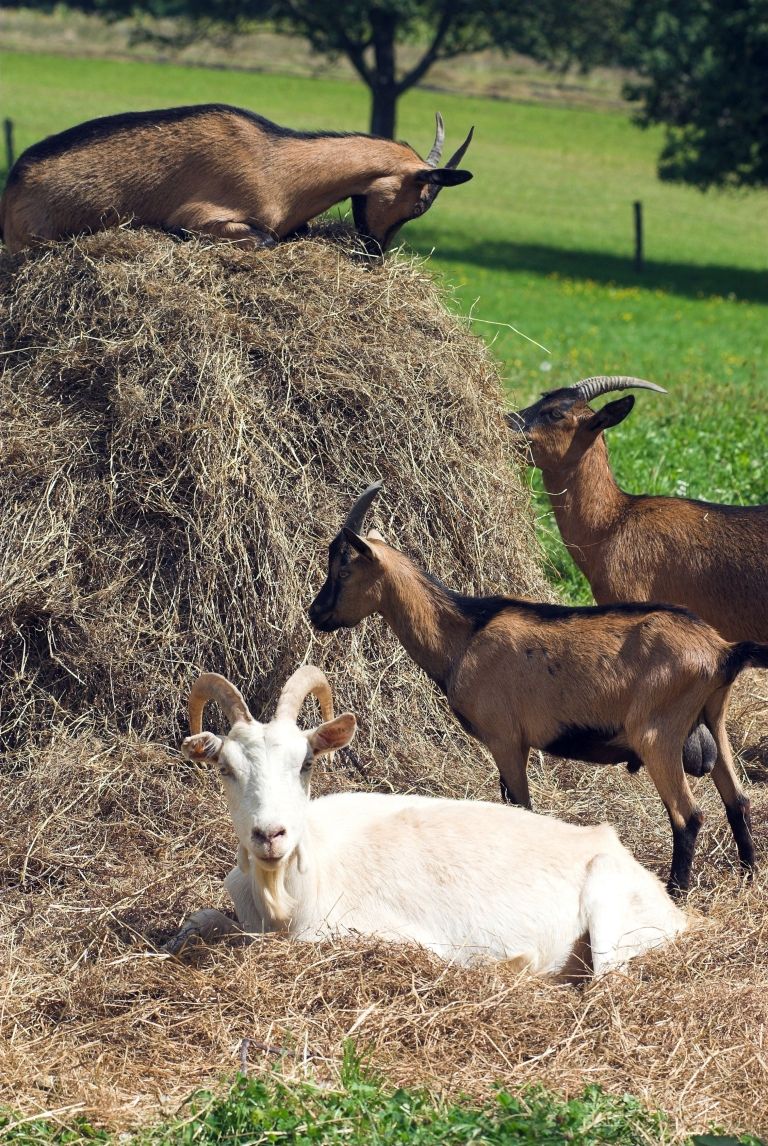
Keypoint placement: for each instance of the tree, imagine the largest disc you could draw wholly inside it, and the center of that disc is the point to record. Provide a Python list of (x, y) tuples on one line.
[(704, 69), (370, 34)]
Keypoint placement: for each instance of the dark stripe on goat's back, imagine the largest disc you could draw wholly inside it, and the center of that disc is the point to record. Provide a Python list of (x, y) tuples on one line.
[(482, 610), (83, 134)]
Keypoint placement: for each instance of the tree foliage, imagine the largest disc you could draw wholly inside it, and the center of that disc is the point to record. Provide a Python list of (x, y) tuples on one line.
[(371, 34), (704, 69)]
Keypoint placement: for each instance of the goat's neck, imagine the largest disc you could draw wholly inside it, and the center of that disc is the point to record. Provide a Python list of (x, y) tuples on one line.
[(424, 618), (319, 172), (587, 502)]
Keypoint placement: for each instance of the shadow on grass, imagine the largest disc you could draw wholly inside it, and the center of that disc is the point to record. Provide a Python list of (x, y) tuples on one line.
[(674, 278)]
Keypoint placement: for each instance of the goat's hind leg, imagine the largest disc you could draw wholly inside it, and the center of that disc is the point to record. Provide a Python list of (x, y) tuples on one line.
[(737, 807), (203, 926)]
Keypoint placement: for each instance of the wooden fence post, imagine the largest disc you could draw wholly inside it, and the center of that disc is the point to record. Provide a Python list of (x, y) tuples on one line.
[(638, 209), (8, 133)]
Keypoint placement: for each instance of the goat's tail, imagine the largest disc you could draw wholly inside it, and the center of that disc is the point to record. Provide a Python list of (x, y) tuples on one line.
[(743, 655)]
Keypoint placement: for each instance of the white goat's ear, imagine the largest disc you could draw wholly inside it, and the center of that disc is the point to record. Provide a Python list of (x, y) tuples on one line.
[(374, 535), (333, 734), (202, 746)]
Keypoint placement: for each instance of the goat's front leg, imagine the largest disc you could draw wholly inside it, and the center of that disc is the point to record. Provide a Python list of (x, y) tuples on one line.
[(238, 232), (512, 762), (203, 926), (214, 219)]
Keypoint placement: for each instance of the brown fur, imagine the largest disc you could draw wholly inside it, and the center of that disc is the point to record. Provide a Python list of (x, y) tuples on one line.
[(215, 171), (710, 558), (528, 674)]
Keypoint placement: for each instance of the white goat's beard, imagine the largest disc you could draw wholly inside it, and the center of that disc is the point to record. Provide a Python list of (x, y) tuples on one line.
[(277, 901)]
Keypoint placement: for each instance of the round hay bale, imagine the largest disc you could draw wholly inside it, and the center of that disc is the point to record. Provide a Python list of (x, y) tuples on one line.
[(184, 426)]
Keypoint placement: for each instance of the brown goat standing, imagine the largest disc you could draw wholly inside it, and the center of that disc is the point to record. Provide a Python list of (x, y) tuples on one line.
[(601, 684), (216, 170), (713, 559)]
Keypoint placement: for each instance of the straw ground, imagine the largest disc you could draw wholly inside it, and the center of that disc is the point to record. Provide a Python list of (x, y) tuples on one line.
[(183, 425)]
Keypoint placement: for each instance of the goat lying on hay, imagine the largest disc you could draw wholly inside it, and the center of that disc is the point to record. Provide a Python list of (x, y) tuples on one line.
[(464, 878), (609, 684), (220, 171), (709, 558)]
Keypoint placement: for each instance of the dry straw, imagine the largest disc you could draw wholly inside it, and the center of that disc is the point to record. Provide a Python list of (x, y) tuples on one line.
[(183, 426)]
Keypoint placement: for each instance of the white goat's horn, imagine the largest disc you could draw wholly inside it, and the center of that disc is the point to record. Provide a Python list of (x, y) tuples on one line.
[(590, 388), (307, 679), (437, 147), (213, 686)]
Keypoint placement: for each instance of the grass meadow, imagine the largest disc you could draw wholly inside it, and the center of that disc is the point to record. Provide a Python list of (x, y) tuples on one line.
[(540, 241)]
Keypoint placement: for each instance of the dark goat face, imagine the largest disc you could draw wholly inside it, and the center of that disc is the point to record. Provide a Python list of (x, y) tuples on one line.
[(407, 192), (352, 589), (396, 199), (559, 428)]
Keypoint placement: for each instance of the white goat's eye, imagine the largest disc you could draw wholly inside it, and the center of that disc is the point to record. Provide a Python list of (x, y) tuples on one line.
[(226, 772)]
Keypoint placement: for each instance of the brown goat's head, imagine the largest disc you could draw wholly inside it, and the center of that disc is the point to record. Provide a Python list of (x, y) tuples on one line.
[(394, 199), (558, 429), (352, 589)]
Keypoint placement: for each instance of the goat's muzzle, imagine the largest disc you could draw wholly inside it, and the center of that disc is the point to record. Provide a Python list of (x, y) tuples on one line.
[(323, 621)]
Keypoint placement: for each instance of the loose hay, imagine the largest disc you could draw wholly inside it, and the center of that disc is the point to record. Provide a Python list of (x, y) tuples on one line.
[(182, 428)]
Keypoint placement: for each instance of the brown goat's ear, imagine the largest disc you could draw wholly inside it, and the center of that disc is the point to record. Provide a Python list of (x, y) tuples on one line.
[(202, 746), (359, 544), (611, 414), (374, 535), (442, 176), (333, 734)]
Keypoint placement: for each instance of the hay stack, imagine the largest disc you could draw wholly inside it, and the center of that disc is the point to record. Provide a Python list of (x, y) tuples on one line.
[(184, 427)]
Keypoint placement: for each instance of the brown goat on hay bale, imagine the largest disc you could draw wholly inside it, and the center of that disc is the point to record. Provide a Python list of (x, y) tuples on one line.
[(217, 170)]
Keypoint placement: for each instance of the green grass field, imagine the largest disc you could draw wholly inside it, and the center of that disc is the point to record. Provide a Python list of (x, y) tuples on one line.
[(541, 240)]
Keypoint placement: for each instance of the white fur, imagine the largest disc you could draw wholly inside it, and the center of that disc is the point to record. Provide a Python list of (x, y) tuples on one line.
[(466, 879)]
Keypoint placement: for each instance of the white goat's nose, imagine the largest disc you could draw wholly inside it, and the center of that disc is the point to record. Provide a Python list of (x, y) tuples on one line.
[(267, 835)]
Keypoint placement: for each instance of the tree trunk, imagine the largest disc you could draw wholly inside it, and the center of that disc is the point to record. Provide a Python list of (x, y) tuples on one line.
[(383, 110), (384, 87)]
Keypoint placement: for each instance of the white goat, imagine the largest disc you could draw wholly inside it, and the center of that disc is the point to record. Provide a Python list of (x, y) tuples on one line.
[(466, 879)]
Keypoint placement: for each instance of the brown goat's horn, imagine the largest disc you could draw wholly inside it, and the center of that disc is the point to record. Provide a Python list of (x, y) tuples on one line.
[(213, 686), (457, 156), (356, 515), (437, 147), (590, 388), (297, 688)]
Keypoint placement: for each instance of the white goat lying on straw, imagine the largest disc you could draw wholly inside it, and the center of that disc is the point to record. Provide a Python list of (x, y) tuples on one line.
[(466, 879)]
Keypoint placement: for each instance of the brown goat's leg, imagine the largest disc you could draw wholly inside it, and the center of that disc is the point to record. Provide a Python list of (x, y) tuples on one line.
[(665, 767), (512, 762), (732, 794), (242, 232)]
